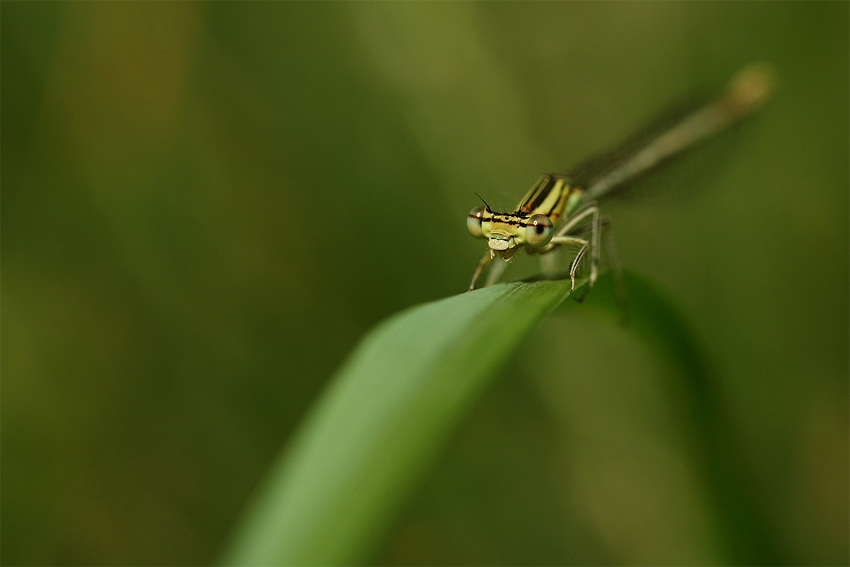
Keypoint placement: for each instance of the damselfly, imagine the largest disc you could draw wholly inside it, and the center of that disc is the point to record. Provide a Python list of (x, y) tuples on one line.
[(562, 209)]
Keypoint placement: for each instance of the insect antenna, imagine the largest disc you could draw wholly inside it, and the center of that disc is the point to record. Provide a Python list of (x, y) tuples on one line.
[(489, 210)]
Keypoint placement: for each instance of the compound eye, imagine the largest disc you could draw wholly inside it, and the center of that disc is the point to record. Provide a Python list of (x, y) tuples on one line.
[(473, 222), (539, 230)]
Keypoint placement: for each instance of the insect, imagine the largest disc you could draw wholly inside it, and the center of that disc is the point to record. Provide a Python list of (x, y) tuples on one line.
[(563, 209)]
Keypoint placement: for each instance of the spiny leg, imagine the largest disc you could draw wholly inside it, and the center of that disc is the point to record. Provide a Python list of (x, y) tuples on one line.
[(609, 242), (595, 229), (574, 267), (587, 210), (584, 244), (570, 223), (593, 209), (486, 259)]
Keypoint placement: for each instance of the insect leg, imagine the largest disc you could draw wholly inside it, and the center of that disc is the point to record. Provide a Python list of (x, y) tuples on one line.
[(595, 230), (481, 264), (587, 210), (571, 223), (574, 265)]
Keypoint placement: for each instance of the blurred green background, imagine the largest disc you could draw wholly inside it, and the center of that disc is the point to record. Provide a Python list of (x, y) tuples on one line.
[(205, 205)]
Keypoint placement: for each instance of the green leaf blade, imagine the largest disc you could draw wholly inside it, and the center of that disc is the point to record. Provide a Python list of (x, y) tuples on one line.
[(380, 423)]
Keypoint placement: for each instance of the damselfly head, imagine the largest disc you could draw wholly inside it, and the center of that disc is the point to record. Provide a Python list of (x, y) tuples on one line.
[(506, 231)]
